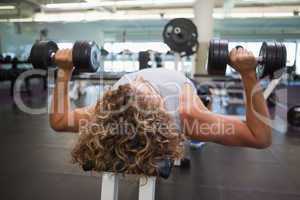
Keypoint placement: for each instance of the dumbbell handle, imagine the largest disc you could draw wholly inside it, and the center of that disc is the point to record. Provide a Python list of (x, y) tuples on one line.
[(259, 59)]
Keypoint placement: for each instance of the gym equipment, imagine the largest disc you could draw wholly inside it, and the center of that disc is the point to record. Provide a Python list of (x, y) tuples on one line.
[(110, 183), (158, 60), (144, 59), (271, 60), (42, 54), (185, 163), (181, 36), (85, 55), (294, 116), (7, 59), (164, 167), (110, 187), (203, 91), (88, 165)]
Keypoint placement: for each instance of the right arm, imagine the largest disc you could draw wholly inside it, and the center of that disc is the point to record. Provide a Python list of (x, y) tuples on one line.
[(62, 117)]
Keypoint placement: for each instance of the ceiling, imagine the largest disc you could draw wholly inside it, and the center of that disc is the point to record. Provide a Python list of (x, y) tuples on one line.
[(29, 8)]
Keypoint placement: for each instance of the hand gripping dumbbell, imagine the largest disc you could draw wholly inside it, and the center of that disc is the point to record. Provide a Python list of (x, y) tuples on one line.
[(85, 55), (271, 60)]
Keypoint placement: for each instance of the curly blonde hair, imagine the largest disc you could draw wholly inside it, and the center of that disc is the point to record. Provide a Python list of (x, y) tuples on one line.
[(127, 134)]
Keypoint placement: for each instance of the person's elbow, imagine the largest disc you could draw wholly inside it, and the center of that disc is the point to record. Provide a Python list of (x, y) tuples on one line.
[(265, 141), (57, 123)]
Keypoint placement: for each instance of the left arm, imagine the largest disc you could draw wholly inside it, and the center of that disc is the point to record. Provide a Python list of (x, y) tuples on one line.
[(201, 124)]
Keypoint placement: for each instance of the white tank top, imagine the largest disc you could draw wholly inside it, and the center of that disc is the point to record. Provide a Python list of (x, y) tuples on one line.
[(167, 82)]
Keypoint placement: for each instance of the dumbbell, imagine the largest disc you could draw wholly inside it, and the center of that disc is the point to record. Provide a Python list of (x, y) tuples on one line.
[(85, 55), (271, 60)]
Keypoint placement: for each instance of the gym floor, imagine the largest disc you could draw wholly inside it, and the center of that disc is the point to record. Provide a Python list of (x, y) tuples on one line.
[(35, 164)]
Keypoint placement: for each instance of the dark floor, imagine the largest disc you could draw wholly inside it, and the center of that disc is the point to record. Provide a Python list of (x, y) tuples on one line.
[(35, 164)]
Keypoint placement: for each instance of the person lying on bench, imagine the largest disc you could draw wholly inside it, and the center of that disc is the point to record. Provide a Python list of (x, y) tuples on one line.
[(145, 117)]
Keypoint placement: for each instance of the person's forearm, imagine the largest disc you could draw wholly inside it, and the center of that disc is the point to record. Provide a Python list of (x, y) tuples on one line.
[(60, 106), (257, 114)]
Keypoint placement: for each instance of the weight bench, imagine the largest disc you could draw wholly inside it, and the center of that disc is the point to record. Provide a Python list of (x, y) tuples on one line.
[(110, 181), (110, 187)]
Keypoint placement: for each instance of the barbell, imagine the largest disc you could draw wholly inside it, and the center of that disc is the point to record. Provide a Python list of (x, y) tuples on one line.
[(271, 60), (85, 55)]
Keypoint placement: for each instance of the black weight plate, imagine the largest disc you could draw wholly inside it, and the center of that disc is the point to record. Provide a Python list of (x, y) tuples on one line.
[(276, 71), (181, 36), (284, 57), (188, 34), (271, 59), (220, 57), (46, 50), (267, 54), (75, 53), (40, 54), (216, 56), (167, 36), (223, 58), (212, 57), (50, 50), (281, 60), (86, 56), (210, 63), (80, 55), (214, 64), (34, 58), (77, 56)]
